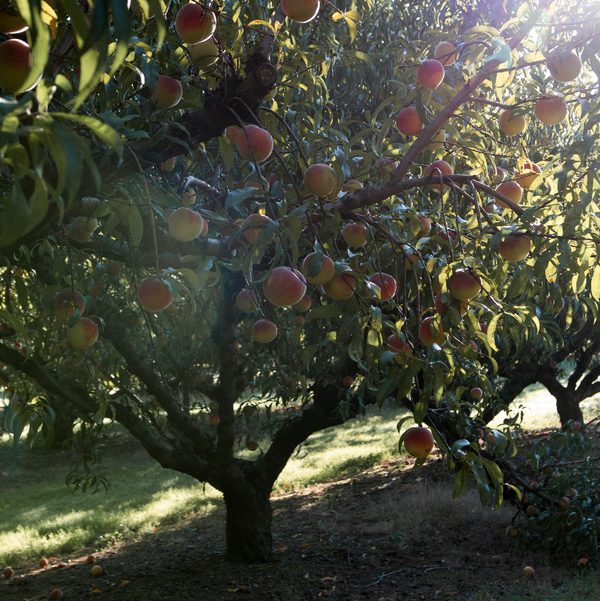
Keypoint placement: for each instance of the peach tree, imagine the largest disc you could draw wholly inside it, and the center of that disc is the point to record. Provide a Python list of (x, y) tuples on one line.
[(213, 210)]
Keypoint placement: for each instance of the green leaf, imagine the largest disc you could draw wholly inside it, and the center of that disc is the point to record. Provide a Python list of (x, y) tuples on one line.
[(136, 225), (461, 482), (106, 133), (595, 284)]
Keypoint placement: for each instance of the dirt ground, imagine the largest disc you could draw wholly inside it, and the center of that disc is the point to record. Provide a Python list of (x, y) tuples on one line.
[(388, 535)]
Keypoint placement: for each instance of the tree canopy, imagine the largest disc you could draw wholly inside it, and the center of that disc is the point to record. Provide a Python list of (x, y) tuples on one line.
[(386, 201)]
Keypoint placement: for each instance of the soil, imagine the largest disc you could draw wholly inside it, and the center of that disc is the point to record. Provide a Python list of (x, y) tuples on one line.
[(389, 534)]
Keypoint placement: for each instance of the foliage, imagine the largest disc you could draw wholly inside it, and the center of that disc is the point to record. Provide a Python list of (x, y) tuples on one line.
[(82, 187)]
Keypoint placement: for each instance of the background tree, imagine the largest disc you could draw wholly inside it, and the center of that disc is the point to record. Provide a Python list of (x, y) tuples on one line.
[(418, 257)]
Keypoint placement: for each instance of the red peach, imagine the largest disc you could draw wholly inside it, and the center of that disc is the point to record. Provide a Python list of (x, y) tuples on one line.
[(551, 110), (65, 303), (246, 301), (303, 304), (426, 335), (386, 284), (435, 169), (301, 11), (154, 295), (83, 334), (354, 234), (168, 92), (511, 190), (284, 287), (15, 64), (326, 272), (445, 52), (259, 139), (264, 331), (250, 233), (194, 23), (409, 122), (185, 224), (430, 73), (565, 66), (463, 286), (418, 442), (515, 247), (514, 126), (340, 287), (320, 179)]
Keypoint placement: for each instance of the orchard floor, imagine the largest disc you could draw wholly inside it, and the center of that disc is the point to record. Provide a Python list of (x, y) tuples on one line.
[(389, 534)]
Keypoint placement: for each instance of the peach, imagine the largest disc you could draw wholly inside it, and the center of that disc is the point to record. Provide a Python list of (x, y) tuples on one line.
[(66, 301), (55, 594), (528, 174), (435, 169), (43, 563), (437, 141), (264, 331), (83, 334), (467, 350), (426, 335), (310, 266), (386, 166), (214, 419), (284, 287), (515, 247), (301, 11), (348, 381), (11, 21), (194, 23), (511, 190), (354, 234), (298, 321), (15, 64), (445, 52), (246, 301), (351, 186), (430, 73), (95, 289), (418, 442), (204, 54), (425, 227), (97, 571), (409, 122), (340, 287), (551, 110), (154, 295), (528, 571), (397, 345), (476, 393), (188, 198), (8, 573), (168, 165), (185, 224), (254, 139), (386, 284), (113, 269), (232, 132), (514, 126), (564, 66), (496, 176), (463, 286), (250, 229), (320, 179), (303, 304), (251, 445), (451, 234), (168, 92)]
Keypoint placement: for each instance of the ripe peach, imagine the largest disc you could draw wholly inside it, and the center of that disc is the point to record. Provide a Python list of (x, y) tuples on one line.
[(514, 126), (386, 284), (154, 295), (467, 350), (185, 224), (397, 345), (204, 54), (168, 92), (498, 176), (445, 52), (511, 190), (348, 381), (284, 287), (476, 393), (250, 233), (426, 335), (194, 23), (298, 321), (386, 166), (55, 594), (246, 301), (437, 141), (97, 571), (340, 287), (251, 445), (90, 559), (430, 73), (11, 21), (264, 331), (435, 169), (528, 571), (354, 234), (214, 419), (451, 234), (8, 573), (418, 442), (515, 247), (320, 179), (463, 286), (83, 334), (564, 502), (565, 66), (65, 303), (232, 132), (260, 140), (408, 121), (95, 289), (577, 426), (113, 269), (301, 11), (303, 304), (351, 186), (15, 64), (551, 110), (309, 266), (425, 227), (43, 563)]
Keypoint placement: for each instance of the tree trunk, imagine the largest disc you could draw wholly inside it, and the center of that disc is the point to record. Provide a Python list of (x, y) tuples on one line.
[(567, 405), (249, 517)]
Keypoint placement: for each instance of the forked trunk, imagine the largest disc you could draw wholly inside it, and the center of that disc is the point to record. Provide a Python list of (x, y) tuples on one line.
[(249, 517)]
